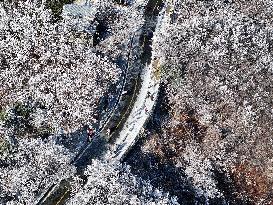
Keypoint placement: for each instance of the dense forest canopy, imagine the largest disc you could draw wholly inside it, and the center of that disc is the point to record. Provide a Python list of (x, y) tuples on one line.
[(209, 138)]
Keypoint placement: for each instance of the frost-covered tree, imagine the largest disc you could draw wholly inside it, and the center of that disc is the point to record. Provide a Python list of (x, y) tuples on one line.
[(53, 72), (218, 70), (121, 26), (50, 65), (27, 169), (109, 183)]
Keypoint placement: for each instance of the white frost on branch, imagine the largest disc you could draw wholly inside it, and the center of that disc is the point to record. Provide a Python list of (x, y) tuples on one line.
[(109, 183), (30, 167), (50, 63)]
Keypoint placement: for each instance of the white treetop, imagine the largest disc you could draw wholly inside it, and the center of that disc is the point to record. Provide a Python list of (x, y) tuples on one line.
[(50, 63), (109, 183), (218, 71), (52, 76), (30, 167)]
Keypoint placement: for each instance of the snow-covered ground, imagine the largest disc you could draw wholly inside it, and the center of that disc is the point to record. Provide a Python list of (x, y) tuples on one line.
[(144, 103), (140, 113)]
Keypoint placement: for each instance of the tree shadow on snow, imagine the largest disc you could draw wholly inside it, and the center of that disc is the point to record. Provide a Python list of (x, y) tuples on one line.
[(165, 175)]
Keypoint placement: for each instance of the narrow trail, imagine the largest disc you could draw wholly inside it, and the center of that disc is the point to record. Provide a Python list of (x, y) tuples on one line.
[(146, 99), (140, 113)]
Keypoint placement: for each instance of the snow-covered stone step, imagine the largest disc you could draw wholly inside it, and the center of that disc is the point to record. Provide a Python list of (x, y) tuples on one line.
[(85, 11)]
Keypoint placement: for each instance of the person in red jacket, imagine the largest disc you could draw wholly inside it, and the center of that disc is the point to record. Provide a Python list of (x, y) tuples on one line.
[(146, 111), (90, 133)]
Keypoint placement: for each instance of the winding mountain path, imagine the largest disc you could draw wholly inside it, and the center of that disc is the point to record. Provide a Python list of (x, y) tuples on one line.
[(146, 98), (140, 113)]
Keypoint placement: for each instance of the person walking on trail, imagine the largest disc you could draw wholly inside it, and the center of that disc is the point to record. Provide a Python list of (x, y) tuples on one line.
[(90, 133), (148, 94), (108, 132), (146, 111), (152, 97)]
